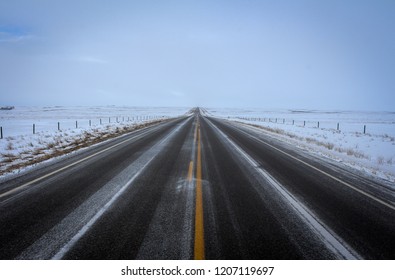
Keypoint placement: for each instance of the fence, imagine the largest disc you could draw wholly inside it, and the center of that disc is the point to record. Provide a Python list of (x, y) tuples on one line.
[(22, 128), (330, 125)]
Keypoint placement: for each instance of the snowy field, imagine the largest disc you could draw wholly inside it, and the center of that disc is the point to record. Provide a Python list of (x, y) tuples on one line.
[(20, 120), (59, 130), (361, 140)]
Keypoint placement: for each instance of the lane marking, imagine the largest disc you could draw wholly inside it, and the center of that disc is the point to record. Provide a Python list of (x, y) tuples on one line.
[(71, 243), (190, 171), (199, 226), (333, 242), (195, 135), (322, 172), (70, 165)]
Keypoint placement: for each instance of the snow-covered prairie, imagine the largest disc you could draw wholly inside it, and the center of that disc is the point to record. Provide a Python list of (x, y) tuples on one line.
[(372, 152), (20, 120), (78, 127)]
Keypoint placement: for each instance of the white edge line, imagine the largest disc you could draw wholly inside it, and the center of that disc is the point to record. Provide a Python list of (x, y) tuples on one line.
[(323, 172), (330, 239)]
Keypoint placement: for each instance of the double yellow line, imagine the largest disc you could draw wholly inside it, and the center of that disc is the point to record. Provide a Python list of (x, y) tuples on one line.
[(199, 225)]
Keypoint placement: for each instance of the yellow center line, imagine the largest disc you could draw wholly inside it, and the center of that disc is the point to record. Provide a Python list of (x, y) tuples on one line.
[(190, 171), (199, 228), (194, 137)]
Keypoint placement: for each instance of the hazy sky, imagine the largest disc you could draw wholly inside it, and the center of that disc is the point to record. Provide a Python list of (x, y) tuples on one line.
[(271, 54)]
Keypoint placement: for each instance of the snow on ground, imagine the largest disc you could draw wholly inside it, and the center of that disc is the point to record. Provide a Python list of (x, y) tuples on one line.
[(20, 120), (372, 152), (20, 147)]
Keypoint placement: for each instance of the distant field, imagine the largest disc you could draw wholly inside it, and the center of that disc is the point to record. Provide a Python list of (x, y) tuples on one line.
[(349, 121), (78, 127), (364, 140), (20, 120)]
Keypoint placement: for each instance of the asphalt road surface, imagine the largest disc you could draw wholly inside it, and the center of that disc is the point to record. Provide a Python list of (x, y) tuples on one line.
[(195, 187)]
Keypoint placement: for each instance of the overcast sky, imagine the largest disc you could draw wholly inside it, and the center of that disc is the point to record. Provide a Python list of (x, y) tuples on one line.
[(268, 54)]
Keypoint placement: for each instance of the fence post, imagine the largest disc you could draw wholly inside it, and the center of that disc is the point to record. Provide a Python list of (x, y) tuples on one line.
[(293, 122), (100, 121), (109, 120), (90, 123), (58, 126), (337, 126), (364, 129), (304, 123), (318, 124), (34, 129), (1, 132), (283, 121), (76, 124)]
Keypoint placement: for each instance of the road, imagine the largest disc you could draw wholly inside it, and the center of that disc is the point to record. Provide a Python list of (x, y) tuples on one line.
[(195, 187)]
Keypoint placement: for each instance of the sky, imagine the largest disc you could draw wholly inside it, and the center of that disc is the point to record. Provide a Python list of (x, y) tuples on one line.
[(307, 54)]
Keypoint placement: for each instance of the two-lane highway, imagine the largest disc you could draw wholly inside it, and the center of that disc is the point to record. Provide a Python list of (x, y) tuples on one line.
[(195, 188)]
